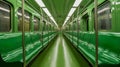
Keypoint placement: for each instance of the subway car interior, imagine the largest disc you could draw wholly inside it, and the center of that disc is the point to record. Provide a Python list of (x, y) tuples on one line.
[(59, 33)]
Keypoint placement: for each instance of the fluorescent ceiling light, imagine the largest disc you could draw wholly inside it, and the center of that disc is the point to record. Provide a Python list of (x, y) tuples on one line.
[(46, 11), (6, 10), (66, 20), (64, 23), (69, 15), (76, 3), (41, 4), (71, 11), (117, 3), (53, 21)]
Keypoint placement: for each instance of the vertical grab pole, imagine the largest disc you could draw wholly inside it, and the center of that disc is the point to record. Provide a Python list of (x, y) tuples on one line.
[(78, 27), (96, 31), (72, 32), (49, 31), (42, 26), (69, 30), (23, 35)]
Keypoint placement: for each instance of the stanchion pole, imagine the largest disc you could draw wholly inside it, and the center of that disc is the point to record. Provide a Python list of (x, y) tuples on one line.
[(78, 27), (23, 35), (96, 31)]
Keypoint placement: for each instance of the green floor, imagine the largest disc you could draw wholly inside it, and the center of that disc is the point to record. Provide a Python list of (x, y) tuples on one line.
[(59, 54)]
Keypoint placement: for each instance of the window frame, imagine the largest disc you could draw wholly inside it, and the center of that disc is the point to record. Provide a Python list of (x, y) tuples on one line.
[(106, 3), (10, 17), (30, 15), (86, 22), (38, 23), (100, 5)]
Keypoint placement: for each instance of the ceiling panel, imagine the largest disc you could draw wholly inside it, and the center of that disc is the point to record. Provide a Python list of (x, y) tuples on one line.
[(59, 9)]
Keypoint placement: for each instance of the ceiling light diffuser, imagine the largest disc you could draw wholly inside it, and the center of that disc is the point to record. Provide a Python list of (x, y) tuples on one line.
[(46, 11), (76, 3), (53, 21), (71, 11), (41, 4), (66, 20)]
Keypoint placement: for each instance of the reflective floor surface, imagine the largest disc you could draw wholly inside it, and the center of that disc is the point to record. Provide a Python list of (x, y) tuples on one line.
[(60, 53)]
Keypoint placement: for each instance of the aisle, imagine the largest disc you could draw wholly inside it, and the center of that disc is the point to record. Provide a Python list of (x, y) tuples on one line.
[(59, 54)]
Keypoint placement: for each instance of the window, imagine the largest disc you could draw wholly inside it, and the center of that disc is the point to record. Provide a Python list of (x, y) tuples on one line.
[(27, 16), (5, 22), (44, 25), (74, 26), (86, 21), (36, 23), (104, 17)]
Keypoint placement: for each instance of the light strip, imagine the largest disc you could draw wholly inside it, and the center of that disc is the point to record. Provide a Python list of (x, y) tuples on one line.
[(53, 21), (41, 4), (64, 23), (76, 3), (71, 12), (117, 3), (69, 15), (46, 11), (66, 20)]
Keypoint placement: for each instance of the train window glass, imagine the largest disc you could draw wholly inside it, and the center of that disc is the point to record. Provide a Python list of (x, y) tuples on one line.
[(86, 21), (104, 19), (5, 22), (41, 26), (44, 25), (74, 26), (36, 23), (27, 16)]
